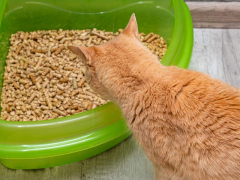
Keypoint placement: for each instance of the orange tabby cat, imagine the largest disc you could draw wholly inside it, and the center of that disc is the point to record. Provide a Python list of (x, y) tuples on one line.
[(187, 122)]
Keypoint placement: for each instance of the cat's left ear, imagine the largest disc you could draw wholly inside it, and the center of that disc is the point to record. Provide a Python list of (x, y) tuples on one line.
[(132, 27), (85, 53)]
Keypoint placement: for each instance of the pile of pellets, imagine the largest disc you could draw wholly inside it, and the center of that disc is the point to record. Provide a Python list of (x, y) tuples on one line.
[(44, 80)]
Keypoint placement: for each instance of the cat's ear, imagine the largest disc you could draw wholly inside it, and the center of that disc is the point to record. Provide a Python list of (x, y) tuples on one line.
[(132, 27), (85, 53)]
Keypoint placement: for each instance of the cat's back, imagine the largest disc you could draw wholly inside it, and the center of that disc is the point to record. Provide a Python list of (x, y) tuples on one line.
[(212, 111), (201, 117), (205, 101)]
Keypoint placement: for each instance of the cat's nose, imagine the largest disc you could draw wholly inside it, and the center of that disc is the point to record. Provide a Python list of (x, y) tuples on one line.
[(88, 79), (88, 76)]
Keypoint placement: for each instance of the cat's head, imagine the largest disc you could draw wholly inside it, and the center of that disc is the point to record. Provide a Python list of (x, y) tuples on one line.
[(105, 60)]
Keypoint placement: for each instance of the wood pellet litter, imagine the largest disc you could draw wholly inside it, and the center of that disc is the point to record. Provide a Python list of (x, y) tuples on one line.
[(44, 80)]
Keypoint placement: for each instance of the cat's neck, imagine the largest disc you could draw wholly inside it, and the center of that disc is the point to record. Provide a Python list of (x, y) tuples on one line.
[(127, 87)]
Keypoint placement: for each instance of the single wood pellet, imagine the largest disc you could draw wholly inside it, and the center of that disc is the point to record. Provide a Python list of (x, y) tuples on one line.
[(44, 80)]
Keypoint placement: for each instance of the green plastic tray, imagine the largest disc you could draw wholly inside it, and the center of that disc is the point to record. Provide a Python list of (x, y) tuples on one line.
[(34, 145)]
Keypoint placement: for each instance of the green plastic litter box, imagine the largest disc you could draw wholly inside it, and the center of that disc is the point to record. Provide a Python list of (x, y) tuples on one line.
[(49, 143)]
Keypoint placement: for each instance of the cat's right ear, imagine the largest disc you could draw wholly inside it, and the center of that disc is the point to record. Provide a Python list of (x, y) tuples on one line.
[(84, 53), (132, 27)]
